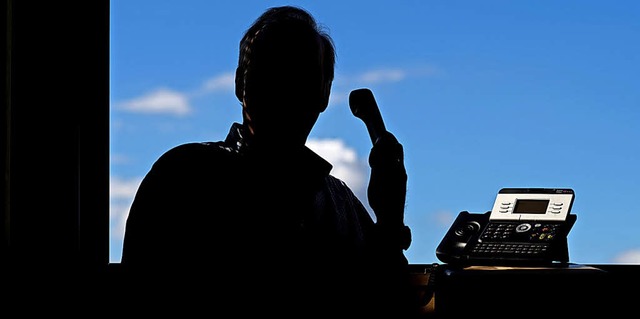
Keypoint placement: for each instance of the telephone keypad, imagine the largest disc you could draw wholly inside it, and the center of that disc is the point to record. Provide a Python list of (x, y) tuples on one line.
[(517, 249), (517, 239)]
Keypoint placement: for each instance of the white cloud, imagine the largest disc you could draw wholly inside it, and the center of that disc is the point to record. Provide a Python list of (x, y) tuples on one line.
[(119, 159), (628, 257), (346, 164), (122, 192), (382, 76), (160, 101), (444, 218), (222, 82), (118, 213), (337, 97), (125, 189)]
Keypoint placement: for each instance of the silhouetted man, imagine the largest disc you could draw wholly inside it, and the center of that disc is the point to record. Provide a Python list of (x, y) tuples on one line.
[(255, 223)]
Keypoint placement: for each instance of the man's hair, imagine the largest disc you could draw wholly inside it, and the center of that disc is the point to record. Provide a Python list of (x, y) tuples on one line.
[(287, 35)]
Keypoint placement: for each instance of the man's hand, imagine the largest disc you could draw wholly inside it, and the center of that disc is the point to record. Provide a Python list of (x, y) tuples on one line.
[(388, 182)]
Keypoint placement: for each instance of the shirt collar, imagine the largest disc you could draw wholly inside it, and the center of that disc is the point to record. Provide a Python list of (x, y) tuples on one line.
[(305, 160)]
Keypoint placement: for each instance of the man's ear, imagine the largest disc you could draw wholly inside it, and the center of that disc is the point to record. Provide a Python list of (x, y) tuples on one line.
[(239, 84), (326, 93)]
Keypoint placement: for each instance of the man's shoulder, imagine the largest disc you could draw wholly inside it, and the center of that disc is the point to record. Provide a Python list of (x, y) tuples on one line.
[(340, 190), (195, 152), (337, 183), (199, 147)]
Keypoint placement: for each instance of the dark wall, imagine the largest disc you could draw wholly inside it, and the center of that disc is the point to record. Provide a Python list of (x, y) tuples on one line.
[(54, 128), (55, 132)]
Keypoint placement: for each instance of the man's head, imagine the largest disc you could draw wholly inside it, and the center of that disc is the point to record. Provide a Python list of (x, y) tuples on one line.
[(284, 75)]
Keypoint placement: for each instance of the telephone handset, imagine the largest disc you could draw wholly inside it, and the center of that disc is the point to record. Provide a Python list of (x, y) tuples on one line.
[(526, 226), (388, 179)]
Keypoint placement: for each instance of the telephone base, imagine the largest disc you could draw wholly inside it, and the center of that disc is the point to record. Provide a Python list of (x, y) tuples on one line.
[(467, 243)]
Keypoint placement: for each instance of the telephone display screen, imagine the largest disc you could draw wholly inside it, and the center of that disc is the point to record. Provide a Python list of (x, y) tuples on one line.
[(531, 206)]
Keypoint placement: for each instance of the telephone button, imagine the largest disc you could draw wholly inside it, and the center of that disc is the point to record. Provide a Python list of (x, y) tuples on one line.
[(523, 227)]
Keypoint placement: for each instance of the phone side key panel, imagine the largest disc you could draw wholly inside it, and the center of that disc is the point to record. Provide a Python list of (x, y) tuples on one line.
[(461, 236)]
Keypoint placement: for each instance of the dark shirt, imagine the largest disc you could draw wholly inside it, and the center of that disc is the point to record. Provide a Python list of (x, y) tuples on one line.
[(259, 229)]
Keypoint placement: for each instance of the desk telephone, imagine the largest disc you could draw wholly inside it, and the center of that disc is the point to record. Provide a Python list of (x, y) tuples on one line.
[(526, 226)]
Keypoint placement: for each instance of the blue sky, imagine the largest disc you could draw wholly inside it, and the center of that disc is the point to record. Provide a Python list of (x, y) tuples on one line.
[(482, 94)]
